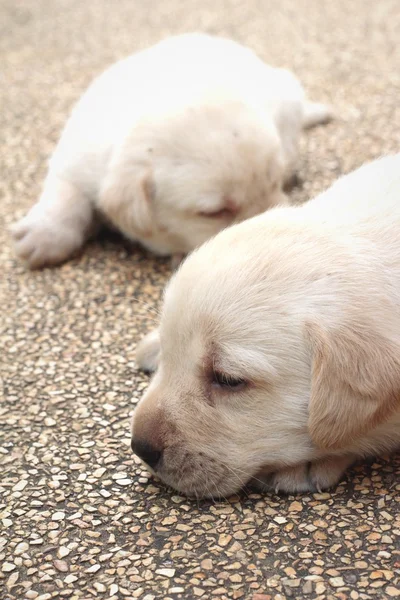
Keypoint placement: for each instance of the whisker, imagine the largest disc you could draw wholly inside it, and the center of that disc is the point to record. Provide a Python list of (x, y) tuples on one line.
[(180, 481), (209, 491), (219, 494), (237, 471), (149, 308)]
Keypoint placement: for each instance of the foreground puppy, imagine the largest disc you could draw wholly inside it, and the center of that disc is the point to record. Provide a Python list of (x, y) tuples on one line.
[(170, 146), (280, 362)]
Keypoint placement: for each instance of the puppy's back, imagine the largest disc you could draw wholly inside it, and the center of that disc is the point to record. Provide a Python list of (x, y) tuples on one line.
[(369, 195)]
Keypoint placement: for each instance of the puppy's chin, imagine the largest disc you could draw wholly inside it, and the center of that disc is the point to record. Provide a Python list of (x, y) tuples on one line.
[(198, 475)]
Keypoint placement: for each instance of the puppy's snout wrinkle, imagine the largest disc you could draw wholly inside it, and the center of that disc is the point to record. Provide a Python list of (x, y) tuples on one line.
[(146, 452)]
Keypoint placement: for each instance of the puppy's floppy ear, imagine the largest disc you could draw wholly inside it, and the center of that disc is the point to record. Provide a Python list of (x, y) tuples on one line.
[(355, 382), (126, 199)]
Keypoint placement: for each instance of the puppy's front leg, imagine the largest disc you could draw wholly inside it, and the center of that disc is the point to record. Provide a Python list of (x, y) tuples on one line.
[(307, 477), (148, 352), (55, 227)]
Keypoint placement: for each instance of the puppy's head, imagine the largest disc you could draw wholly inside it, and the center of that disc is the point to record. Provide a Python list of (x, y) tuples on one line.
[(185, 175), (268, 357)]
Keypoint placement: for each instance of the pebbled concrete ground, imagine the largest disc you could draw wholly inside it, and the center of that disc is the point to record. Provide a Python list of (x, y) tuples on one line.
[(80, 519)]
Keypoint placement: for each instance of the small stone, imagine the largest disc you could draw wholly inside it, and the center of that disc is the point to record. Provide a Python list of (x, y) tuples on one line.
[(224, 539), (392, 591), (21, 485), (61, 565), (386, 539), (166, 572), (8, 567), (12, 580), (206, 564), (58, 516), (376, 574), (280, 520), (93, 569), (99, 472), (386, 515), (49, 422), (295, 507), (99, 587), (113, 589), (104, 557), (119, 475), (21, 548), (124, 481), (320, 588), (63, 551), (178, 554), (70, 578), (336, 581), (293, 582), (169, 521), (307, 587), (361, 564)]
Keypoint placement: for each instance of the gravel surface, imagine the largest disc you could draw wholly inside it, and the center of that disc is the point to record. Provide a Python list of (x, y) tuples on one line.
[(80, 518)]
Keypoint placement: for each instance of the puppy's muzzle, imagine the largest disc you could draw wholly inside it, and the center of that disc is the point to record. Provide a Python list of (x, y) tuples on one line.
[(146, 452)]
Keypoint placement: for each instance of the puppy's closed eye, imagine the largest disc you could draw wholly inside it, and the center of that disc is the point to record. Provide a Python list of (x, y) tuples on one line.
[(217, 214), (227, 382), (229, 209)]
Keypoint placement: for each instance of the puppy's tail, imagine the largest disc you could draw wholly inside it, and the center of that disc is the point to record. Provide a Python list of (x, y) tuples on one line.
[(316, 114)]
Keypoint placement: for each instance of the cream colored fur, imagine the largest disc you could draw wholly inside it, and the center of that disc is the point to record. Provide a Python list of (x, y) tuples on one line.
[(304, 305), (170, 146)]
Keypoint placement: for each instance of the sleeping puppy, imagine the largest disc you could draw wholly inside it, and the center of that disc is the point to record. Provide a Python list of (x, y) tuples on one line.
[(170, 146), (280, 362)]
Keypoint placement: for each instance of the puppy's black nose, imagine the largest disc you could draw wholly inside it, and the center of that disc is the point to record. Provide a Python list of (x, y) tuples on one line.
[(146, 452)]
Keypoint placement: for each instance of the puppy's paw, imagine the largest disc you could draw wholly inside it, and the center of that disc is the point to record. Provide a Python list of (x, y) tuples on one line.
[(40, 239), (148, 352), (316, 113), (308, 477)]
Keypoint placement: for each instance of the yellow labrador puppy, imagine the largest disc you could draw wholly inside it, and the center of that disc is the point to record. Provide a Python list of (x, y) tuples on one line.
[(280, 361), (170, 146)]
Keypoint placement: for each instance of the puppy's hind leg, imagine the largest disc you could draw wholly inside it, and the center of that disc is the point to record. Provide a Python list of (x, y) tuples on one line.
[(148, 352), (55, 227), (315, 114)]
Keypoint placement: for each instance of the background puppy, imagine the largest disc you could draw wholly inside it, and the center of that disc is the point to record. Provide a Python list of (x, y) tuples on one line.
[(281, 362), (170, 146)]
